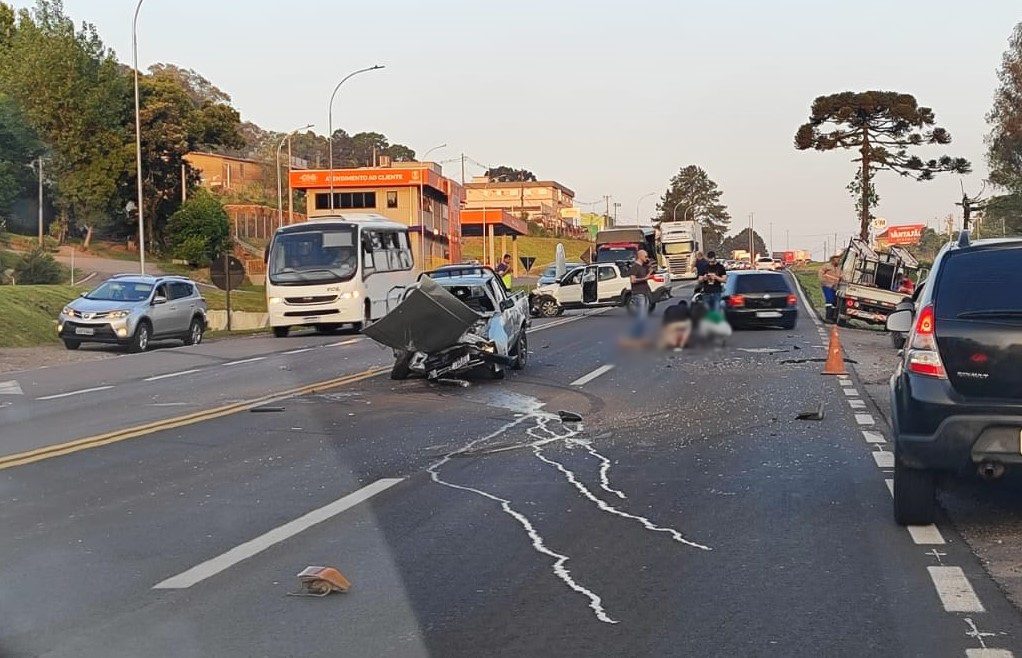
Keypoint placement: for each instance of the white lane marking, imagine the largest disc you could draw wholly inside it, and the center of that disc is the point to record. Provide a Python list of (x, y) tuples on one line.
[(538, 543), (343, 342), (926, 534), (846, 382), (842, 378), (884, 459), (563, 321), (238, 363), (954, 589), (890, 485), (988, 653), (252, 547), (864, 419), (11, 387), (69, 394), (856, 403), (171, 374), (873, 437), (299, 350), (585, 379), (851, 392)]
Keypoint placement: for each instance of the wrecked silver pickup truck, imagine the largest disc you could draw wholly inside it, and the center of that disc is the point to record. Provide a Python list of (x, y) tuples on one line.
[(456, 318)]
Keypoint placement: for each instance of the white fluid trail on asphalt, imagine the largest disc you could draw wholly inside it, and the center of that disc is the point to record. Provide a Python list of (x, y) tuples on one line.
[(603, 505), (538, 544), (605, 465)]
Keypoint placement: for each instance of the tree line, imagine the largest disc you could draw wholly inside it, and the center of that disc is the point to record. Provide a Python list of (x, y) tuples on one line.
[(64, 97)]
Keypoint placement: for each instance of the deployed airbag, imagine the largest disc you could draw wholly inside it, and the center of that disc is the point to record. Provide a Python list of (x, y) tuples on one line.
[(428, 320)]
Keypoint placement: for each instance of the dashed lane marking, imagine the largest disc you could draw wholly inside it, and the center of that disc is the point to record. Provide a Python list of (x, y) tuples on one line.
[(856, 403), (846, 382), (884, 459), (70, 393), (954, 590), (239, 362), (171, 374), (873, 437), (927, 535), (988, 653), (11, 387), (890, 485), (585, 379), (851, 392), (252, 547), (341, 343), (299, 350), (864, 419)]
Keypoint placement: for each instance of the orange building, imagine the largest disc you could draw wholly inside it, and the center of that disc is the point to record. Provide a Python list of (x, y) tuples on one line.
[(413, 193), (479, 222), (222, 172)]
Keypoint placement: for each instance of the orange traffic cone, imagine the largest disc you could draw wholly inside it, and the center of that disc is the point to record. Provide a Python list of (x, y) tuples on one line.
[(835, 357)]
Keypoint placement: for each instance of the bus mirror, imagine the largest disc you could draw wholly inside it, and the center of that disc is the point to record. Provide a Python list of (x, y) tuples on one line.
[(266, 254)]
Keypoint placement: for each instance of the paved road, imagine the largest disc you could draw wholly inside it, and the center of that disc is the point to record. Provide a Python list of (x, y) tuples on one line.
[(689, 514)]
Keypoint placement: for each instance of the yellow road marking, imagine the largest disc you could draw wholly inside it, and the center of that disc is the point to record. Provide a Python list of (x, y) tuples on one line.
[(47, 452)]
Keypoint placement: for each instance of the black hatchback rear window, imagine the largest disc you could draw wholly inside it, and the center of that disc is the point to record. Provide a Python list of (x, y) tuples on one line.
[(982, 280), (761, 283)]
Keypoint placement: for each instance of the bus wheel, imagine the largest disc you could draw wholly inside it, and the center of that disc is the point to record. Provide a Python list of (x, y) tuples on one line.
[(281, 332)]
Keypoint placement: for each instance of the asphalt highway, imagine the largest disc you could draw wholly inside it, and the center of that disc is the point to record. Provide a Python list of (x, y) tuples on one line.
[(689, 513)]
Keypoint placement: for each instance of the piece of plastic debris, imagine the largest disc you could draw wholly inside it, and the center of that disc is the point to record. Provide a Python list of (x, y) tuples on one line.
[(263, 410), (320, 581), (450, 381), (569, 417)]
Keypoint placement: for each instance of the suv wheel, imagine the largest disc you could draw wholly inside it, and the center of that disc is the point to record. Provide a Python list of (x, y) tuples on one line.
[(195, 331), (140, 341), (915, 495), (400, 369), (549, 308), (281, 332), (72, 344)]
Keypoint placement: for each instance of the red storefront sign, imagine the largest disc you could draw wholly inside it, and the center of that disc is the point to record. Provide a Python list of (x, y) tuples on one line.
[(907, 234)]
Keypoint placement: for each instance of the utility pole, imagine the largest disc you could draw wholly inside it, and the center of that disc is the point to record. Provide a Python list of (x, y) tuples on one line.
[(40, 200), (752, 242), (770, 248), (616, 206), (462, 169), (787, 239), (184, 182)]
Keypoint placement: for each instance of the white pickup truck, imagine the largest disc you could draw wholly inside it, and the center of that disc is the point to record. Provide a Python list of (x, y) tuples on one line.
[(456, 318), (593, 286)]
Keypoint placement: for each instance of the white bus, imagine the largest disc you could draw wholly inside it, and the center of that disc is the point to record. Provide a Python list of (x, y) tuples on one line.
[(346, 269)]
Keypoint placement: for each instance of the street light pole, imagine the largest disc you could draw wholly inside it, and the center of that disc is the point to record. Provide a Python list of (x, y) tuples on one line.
[(422, 210), (641, 198), (280, 200), (330, 125), (40, 172), (138, 142)]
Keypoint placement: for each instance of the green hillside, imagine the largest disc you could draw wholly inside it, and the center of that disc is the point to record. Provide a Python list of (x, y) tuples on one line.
[(542, 249)]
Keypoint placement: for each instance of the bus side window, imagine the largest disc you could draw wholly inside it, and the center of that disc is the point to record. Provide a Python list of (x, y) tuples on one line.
[(368, 263), (406, 251)]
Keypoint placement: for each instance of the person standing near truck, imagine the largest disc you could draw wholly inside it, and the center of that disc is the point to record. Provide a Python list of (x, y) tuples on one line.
[(503, 270), (713, 281), (639, 275), (830, 276)]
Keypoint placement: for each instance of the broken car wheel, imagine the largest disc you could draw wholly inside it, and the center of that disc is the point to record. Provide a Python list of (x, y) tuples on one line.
[(400, 370)]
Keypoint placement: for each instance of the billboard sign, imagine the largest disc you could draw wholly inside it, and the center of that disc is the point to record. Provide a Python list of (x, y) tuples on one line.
[(904, 235)]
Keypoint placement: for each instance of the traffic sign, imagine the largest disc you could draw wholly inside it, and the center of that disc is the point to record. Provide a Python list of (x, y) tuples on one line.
[(235, 268), (879, 223), (527, 262)]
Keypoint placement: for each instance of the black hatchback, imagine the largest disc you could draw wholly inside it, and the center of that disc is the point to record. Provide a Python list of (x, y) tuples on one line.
[(957, 391), (757, 298)]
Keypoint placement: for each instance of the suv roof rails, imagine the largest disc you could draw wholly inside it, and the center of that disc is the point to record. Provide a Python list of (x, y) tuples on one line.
[(963, 239)]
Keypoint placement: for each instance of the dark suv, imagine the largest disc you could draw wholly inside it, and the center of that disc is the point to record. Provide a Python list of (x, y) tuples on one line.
[(957, 392)]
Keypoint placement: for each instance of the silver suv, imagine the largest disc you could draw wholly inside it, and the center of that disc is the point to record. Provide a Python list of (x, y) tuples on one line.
[(134, 310)]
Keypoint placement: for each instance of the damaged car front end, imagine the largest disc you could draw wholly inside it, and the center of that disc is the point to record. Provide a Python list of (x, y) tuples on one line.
[(454, 324)]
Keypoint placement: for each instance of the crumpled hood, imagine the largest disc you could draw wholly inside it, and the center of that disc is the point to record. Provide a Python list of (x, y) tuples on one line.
[(428, 320)]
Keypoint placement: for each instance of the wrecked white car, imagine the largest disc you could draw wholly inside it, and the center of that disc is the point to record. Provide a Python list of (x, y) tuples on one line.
[(455, 319)]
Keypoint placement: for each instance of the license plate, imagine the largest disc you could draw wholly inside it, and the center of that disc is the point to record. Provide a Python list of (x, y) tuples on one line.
[(84, 331), (312, 318), (768, 314)]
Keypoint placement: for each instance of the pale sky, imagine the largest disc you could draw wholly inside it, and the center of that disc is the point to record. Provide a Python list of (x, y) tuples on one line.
[(606, 98)]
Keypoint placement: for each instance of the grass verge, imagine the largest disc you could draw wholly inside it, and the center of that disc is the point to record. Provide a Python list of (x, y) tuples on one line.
[(542, 249), (28, 314)]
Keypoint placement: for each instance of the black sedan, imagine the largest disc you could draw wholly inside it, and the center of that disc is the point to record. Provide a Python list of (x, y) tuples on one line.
[(758, 298)]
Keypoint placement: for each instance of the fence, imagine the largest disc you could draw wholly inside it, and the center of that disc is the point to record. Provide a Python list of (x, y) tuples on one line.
[(257, 222)]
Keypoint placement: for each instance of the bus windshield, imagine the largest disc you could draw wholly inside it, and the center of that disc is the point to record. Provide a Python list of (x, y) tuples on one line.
[(318, 255)]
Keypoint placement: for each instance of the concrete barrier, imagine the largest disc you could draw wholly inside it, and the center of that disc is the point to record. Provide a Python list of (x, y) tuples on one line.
[(240, 320)]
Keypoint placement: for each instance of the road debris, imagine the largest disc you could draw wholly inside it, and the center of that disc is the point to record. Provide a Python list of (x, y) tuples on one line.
[(816, 414), (264, 410), (320, 581)]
